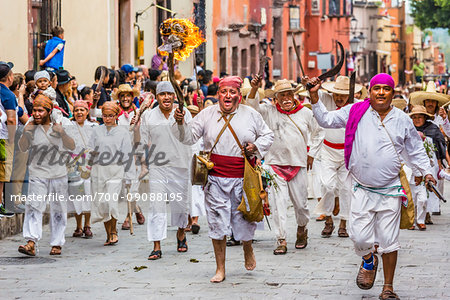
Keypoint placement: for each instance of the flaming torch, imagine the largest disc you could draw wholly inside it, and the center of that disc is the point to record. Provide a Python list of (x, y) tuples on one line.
[(180, 37)]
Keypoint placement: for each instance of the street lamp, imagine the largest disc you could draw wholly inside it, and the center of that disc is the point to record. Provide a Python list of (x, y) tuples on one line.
[(272, 45), (354, 43), (353, 24), (393, 36), (363, 40), (263, 46)]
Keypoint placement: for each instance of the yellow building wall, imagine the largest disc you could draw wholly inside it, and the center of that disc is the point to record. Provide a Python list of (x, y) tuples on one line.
[(14, 33), (88, 39)]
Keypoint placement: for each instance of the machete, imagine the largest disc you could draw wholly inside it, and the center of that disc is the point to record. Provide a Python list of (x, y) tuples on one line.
[(351, 92), (334, 70), (298, 55), (436, 192)]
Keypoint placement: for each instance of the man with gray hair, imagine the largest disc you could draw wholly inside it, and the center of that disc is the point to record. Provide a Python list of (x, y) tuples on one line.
[(168, 161)]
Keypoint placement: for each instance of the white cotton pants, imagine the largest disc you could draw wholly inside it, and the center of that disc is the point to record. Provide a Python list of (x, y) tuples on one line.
[(222, 198), (295, 191), (374, 219), (80, 203), (56, 191), (419, 194), (168, 186), (313, 178), (335, 181), (198, 201)]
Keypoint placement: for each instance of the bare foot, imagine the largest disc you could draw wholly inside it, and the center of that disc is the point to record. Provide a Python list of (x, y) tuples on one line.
[(250, 262), (219, 277)]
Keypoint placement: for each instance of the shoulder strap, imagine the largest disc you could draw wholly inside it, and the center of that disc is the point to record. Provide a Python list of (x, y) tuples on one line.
[(392, 142), (234, 134), (297, 127), (227, 122)]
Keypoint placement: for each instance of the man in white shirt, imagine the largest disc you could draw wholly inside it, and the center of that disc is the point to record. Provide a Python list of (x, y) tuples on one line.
[(334, 175), (48, 181), (224, 190), (377, 136), (292, 125)]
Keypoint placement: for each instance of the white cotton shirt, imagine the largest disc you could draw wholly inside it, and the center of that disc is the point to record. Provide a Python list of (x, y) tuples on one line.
[(374, 161), (247, 123), (82, 135), (156, 131), (289, 147)]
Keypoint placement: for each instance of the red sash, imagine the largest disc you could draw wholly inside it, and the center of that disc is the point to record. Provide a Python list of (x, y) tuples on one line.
[(338, 146), (228, 166), (286, 172)]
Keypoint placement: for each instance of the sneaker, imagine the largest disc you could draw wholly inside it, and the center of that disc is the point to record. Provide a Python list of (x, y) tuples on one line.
[(5, 213)]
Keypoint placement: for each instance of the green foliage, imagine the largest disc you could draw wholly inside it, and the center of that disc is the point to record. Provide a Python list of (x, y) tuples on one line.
[(431, 13)]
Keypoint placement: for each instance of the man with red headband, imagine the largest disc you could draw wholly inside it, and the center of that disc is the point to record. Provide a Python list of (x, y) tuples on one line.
[(224, 190), (48, 181), (293, 126), (378, 139)]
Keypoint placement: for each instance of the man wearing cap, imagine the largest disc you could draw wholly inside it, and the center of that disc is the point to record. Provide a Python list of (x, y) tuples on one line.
[(378, 139), (61, 90), (293, 126), (168, 161), (10, 107), (333, 174), (125, 94), (48, 181), (224, 190), (130, 73)]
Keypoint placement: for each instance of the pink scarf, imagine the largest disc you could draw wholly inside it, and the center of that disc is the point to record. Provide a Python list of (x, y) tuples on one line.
[(356, 112)]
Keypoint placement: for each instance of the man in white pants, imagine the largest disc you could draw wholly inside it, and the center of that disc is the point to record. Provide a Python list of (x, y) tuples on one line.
[(292, 125), (377, 136), (48, 181), (224, 190), (334, 175), (168, 171)]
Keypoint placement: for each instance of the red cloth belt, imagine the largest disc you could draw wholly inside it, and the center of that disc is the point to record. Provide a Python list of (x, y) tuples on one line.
[(286, 172), (228, 166), (334, 145)]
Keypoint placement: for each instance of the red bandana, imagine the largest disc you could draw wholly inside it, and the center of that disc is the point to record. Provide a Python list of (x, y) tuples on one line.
[(296, 109), (123, 112)]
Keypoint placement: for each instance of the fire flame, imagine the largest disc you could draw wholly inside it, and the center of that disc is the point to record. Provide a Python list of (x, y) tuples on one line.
[(181, 36)]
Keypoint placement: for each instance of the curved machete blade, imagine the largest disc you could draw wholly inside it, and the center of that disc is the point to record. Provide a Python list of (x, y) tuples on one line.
[(334, 70), (351, 95)]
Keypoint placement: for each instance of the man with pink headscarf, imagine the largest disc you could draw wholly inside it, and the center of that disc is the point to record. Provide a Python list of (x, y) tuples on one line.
[(224, 190), (379, 138)]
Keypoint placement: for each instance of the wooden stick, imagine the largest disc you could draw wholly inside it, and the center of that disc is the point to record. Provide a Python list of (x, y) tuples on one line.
[(130, 215)]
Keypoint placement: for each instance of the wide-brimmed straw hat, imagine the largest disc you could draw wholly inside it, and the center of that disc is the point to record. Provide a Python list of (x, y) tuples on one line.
[(125, 88), (340, 86), (282, 85), (246, 87), (302, 91), (420, 110), (399, 103), (418, 98)]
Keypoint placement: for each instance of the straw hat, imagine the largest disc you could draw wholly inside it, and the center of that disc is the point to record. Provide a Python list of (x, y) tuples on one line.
[(282, 85), (418, 98), (124, 88), (246, 87), (302, 91), (420, 110), (340, 86), (193, 109), (399, 103)]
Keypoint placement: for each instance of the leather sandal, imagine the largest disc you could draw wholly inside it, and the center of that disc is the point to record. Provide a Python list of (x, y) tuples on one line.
[(422, 227), (126, 225), (155, 255), (232, 242), (78, 232), (87, 232), (328, 230), (388, 294), (321, 218), (366, 278), (302, 239), (28, 249), (140, 218), (56, 250), (114, 241), (182, 245), (281, 249), (195, 228), (342, 232)]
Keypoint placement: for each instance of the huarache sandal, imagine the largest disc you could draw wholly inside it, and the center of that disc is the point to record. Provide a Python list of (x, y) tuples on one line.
[(155, 255), (388, 294), (342, 232), (302, 239), (113, 240), (366, 278), (56, 250), (280, 250), (87, 232), (182, 245), (28, 249), (78, 232), (232, 242), (195, 228)]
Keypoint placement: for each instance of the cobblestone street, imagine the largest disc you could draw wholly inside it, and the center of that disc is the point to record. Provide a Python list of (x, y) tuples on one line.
[(326, 269)]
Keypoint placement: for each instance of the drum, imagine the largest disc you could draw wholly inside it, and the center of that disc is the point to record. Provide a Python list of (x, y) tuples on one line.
[(199, 174)]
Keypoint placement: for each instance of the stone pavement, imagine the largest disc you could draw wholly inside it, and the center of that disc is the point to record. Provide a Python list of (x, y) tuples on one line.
[(326, 269)]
